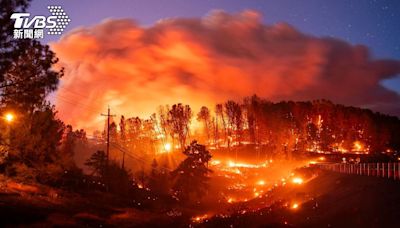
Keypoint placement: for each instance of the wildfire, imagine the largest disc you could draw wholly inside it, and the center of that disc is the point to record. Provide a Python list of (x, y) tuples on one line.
[(294, 206), (357, 146), (215, 162), (246, 165), (261, 182), (312, 162), (297, 180), (9, 117), (167, 147), (199, 218)]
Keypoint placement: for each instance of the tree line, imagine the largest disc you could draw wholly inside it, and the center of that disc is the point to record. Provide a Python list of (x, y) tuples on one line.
[(286, 129)]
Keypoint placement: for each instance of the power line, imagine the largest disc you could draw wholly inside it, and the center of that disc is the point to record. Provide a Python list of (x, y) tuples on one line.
[(108, 131), (136, 157)]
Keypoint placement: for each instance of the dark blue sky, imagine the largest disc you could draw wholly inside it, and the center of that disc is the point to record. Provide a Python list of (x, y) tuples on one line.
[(374, 23)]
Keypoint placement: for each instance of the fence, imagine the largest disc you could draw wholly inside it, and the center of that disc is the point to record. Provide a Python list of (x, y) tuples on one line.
[(389, 170)]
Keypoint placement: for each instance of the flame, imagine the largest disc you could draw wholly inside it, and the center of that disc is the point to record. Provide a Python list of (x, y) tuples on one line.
[(215, 162), (261, 182), (167, 147), (200, 218), (357, 146), (246, 165), (9, 117), (297, 180)]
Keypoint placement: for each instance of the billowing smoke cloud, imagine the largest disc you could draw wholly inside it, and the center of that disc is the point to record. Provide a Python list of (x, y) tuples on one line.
[(202, 61)]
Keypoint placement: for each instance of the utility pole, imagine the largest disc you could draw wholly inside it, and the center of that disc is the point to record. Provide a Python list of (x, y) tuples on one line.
[(108, 132)]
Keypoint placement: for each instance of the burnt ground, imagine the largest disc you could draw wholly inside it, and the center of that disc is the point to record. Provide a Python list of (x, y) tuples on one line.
[(327, 199)]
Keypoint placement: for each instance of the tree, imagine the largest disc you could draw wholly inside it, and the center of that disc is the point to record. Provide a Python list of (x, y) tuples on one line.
[(235, 120), (165, 128), (72, 141), (30, 78), (179, 117), (219, 114), (97, 162), (191, 176), (122, 127), (27, 76), (115, 178), (34, 143), (204, 116), (133, 130), (158, 179), (7, 42), (252, 106)]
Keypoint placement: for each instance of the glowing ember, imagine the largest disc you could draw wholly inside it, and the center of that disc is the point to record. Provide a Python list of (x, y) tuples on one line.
[(245, 165), (215, 162), (167, 147), (357, 146), (295, 206), (321, 158), (297, 180), (9, 117), (199, 218), (261, 182)]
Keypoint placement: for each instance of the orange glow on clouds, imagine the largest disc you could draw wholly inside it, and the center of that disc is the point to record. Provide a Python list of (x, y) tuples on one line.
[(202, 61)]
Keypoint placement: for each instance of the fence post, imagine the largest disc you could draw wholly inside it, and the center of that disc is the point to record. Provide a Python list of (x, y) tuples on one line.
[(398, 170), (368, 169), (364, 169), (383, 169), (388, 167), (377, 170)]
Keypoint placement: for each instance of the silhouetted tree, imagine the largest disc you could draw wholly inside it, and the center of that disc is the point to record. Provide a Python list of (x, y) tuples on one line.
[(235, 120), (115, 178), (7, 43), (158, 179), (179, 117), (204, 116), (191, 176), (219, 115)]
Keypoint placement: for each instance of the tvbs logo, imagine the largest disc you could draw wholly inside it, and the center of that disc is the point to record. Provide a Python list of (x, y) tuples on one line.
[(27, 27)]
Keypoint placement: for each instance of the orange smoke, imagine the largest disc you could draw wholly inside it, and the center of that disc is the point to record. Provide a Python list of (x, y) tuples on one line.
[(202, 61)]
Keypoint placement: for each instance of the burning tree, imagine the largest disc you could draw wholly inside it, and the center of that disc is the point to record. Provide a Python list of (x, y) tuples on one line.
[(219, 116), (204, 116), (191, 176), (235, 120), (179, 117)]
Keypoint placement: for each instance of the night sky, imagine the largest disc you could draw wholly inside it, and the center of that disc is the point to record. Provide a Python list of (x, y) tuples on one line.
[(374, 23)]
